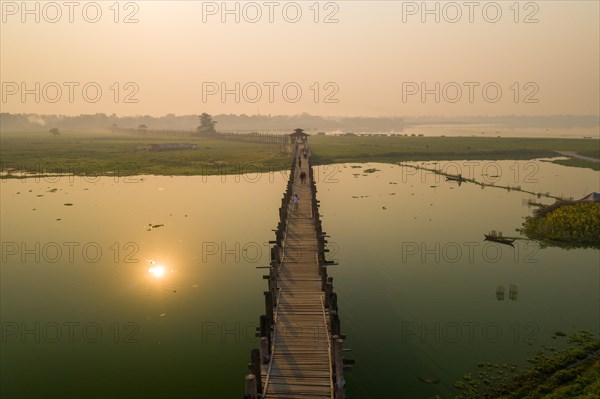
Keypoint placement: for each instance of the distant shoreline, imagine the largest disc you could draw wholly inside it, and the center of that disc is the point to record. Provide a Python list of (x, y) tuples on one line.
[(111, 154)]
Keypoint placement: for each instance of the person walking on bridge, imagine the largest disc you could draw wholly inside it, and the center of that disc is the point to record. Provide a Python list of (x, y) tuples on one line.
[(302, 177), (296, 202)]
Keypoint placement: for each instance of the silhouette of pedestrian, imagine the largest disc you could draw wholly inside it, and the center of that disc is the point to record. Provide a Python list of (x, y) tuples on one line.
[(302, 177), (296, 202)]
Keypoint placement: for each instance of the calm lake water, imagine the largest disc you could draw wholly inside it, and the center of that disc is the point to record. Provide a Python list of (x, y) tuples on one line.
[(148, 287)]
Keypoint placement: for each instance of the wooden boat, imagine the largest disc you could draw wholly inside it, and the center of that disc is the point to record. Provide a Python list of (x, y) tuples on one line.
[(458, 178), (500, 239), (429, 380)]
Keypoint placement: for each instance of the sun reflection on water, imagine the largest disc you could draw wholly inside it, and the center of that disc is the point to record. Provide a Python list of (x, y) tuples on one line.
[(157, 270)]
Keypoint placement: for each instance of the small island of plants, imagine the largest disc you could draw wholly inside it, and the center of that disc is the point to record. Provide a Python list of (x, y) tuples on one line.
[(572, 223)]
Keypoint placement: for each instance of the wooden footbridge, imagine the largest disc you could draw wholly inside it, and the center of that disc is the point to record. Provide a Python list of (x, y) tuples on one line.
[(301, 354)]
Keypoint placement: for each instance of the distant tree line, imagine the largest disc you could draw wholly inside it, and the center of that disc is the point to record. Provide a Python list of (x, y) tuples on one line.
[(227, 122), (265, 123)]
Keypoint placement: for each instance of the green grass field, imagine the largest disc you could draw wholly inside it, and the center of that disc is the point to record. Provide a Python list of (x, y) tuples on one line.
[(577, 163), (392, 149), (106, 153)]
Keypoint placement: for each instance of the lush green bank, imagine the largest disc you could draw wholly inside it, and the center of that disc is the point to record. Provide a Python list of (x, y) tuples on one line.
[(573, 372), (571, 224), (109, 153)]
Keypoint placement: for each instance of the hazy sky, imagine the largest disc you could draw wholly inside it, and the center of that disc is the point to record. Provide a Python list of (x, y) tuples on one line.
[(371, 58)]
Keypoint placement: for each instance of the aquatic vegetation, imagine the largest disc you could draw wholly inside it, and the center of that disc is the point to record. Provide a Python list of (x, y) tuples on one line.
[(577, 223), (571, 373), (153, 226)]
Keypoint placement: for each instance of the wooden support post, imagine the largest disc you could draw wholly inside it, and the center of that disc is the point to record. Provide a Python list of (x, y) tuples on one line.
[(264, 350), (273, 283), (339, 369), (333, 303), (269, 306), (250, 389), (255, 367), (264, 326), (278, 251), (265, 329), (330, 284), (328, 292), (335, 322)]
